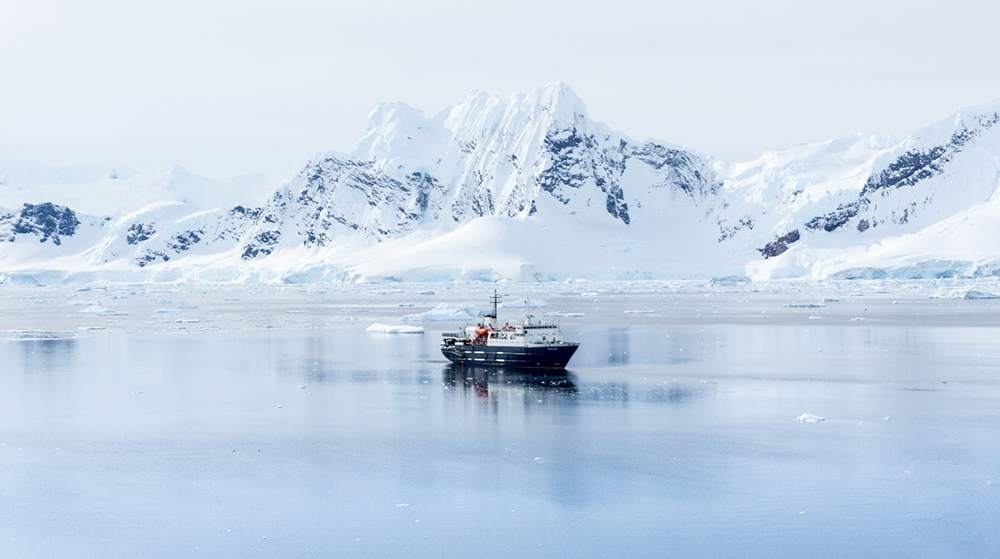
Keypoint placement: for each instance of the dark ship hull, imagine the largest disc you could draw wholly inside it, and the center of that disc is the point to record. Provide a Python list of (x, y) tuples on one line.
[(527, 357)]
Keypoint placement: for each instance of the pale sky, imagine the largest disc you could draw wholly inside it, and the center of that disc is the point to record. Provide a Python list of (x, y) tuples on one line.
[(236, 87)]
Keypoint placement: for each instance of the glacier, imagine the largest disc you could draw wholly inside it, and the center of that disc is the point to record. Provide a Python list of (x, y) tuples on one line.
[(525, 187)]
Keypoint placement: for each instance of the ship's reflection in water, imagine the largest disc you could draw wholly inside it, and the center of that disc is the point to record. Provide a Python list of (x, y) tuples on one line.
[(535, 387), (493, 382)]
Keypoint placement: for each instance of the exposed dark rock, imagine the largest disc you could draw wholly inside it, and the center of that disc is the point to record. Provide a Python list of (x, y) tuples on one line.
[(324, 194), (240, 211), (916, 165), (833, 220), (686, 171), (906, 170), (779, 244), (566, 166), (909, 169), (149, 257), (46, 220), (139, 232), (262, 244), (183, 241), (727, 231), (616, 206)]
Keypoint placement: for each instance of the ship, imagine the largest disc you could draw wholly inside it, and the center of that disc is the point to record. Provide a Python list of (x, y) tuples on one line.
[(532, 343)]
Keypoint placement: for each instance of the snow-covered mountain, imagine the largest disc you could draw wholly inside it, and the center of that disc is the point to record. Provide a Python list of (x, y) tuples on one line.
[(524, 187)]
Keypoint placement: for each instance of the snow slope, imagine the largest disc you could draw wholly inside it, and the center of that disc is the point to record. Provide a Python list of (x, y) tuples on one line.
[(524, 187)]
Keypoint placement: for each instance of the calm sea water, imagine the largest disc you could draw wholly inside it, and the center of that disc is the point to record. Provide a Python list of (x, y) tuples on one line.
[(665, 437)]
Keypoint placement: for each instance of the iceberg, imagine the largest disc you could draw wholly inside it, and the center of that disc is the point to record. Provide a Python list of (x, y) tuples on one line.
[(973, 294), (443, 313)]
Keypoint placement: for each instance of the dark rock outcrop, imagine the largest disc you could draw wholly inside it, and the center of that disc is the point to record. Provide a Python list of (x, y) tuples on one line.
[(139, 232), (47, 220), (779, 244)]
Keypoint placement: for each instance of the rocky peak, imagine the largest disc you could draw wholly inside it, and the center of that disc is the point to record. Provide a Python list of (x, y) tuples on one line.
[(48, 221)]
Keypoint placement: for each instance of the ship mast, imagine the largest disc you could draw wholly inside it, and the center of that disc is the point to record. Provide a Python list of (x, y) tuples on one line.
[(495, 299)]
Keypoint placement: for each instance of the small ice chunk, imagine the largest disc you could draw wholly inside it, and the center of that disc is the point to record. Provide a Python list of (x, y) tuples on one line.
[(95, 309), (523, 303), (809, 418), (394, 329)]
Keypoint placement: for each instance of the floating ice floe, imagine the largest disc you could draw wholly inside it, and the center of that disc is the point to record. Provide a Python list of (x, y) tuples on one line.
[(444, 312), (809, 418), (95, 309), (973, 294), (522, 303), (394, 329)]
